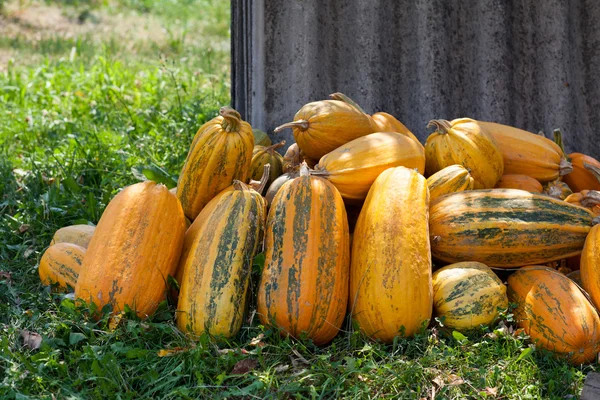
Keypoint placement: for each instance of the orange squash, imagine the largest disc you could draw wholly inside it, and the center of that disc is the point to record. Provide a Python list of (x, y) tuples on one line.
[(589, 199), (390, 274), (590, 264), (322, 126), (586, 173), (526, 153), (555, 313), (463, 141), (354, 166), (136, 245), (304, 284), (61, 264), (452, 179), (75, 234), (220, 152), (523, 182)]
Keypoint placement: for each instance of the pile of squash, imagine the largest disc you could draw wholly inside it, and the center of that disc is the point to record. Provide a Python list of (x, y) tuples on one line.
[(351, 220)]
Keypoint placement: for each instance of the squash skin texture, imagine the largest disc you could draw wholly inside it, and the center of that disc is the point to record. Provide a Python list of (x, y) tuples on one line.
[(581, 178), (220, 153), (467, 295), (61, 264), (390, 275), (354, 166), (506, 228), (464, 141), (327, 125), (517, 181), (388, 123), (218, 263), (136, 245), (452, 179), (266, 155), (75, 234), (590, 265), (526, 153), (555, 313), (304, 284)]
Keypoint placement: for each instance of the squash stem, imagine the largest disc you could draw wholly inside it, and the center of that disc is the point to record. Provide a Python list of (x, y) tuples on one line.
[(231, 119), (591, 199), (264, 179), (276, 146), (559, 141), (304, 170), (342, 97), (441, 125), (302, 124), (565, 167), (593, 169)]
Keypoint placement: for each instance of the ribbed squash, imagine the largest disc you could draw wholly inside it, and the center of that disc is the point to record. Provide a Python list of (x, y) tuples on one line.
[(218, 263), (261, 138), (61, 264), (293, 157), (506, 228), (75, 234), (589, 199), (526, 153), (452, 179), (590, 264), (390, 274), (322, 126), (467, 295), (557, 189), (136, 245), (586, 173), (353, 167), (555, 313), (463, 141), (304, 284), (262, 155), (516, 181), (220, 152)]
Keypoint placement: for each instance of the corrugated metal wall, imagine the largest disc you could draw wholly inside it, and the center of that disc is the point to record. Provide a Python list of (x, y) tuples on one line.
[(531, 64)]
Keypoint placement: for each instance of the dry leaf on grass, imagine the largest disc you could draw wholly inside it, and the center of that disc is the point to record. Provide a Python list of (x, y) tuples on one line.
[(244, 366), (491, 391), (455, 380), (31, 340), (173, 351)]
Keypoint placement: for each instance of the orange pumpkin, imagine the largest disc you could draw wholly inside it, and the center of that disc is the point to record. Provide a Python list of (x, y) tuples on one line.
[(586, 173), (523, 182)]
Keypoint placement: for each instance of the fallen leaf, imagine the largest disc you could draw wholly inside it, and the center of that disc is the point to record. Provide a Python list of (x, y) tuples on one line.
[(27, 253), (31, 339), (225, 351), (491, 391), (439, 381), (363, 379), (282, 368), (257, 341), (455, 380), (244, 366), (24, 228), (115, 320), (300, 357), (173, 351), (6, 276)]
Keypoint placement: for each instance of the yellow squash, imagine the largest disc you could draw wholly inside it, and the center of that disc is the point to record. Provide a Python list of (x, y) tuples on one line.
[(353, 167), (452, 179), (220, 152), (61, 264), (390, 273), (262, 155), (464, 141), (590, 264), (218, 262), (75, 234)]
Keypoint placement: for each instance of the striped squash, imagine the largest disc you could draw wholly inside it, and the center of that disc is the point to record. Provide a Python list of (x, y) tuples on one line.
[(590, 264), (526, 153), (354, 166), (585, 174), (75, 234), (452, 179), (221, 151), (304, 284), (262, 155), (467, 295), (555, 313), (390, 273), (61, 264), (506, 228), (217, 265), (323, 126), (463, 141), (136, 245), (523, 182)]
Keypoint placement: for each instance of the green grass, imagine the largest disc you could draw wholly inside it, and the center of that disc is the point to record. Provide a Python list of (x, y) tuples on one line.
[(72, 126)]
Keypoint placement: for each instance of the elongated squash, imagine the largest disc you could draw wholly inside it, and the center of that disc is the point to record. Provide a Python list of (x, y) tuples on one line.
[(452, 179), (136, 245), (75, 234), (590, 264), (322, 126), (220, 152), (467, 295), (216, 270), (353, 167), (555, 313), (262, 155), (528, 154), (516, 181), (506, 228), (585, 174), (61, 264), (304, 285), (390, 274), (589, 199), (463, 141)]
